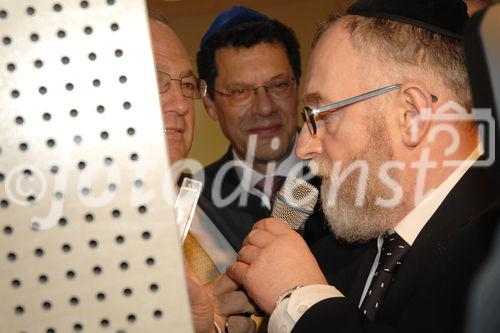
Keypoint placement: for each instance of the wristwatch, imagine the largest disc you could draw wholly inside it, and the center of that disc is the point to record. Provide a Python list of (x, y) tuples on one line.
[(287, 294)]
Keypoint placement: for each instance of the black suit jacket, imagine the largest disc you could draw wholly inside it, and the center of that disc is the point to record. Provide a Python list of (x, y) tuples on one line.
[(235, 221), (429, 292)]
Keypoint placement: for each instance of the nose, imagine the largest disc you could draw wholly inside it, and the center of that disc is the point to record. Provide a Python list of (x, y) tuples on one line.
[(174, 101), (263, 105), (308, 145)]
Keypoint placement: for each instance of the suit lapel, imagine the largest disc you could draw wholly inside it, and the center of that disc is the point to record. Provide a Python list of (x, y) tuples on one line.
[(458, 209)]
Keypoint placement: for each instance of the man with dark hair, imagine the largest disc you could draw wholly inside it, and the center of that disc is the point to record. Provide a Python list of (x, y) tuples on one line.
[(405, 183), (252, 68)]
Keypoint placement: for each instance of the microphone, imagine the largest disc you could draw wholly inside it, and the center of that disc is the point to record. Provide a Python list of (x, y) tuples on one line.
[(295, 202)]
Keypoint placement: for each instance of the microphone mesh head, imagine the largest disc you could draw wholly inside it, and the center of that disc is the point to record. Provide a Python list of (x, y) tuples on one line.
[(295, 202)]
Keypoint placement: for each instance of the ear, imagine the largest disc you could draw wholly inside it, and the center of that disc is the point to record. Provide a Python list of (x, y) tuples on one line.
[(416, 105), (209, 105)]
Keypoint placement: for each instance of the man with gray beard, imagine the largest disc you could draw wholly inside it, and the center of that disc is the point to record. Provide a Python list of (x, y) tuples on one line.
[(398, 147)]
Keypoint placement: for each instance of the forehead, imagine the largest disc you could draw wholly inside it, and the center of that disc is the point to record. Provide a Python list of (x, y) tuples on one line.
[(170, 55), (259, 62), (334, 70)]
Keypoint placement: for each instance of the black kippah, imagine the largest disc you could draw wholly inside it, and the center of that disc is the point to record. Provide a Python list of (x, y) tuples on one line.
[(446, 17)]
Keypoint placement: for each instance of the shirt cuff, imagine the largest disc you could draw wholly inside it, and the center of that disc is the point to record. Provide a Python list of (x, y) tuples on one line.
[(288, 312)]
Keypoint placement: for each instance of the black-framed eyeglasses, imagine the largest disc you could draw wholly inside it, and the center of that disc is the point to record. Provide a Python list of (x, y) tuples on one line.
[(310, 114), (241, 95), (191, 86)]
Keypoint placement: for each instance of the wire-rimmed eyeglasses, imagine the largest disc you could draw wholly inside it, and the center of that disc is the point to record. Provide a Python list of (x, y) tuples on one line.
[(191, 86), (242, 95), (310, 114)]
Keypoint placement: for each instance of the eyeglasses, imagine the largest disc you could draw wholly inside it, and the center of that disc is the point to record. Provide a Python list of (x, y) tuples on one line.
[(191, 86), (278, 88), (310, 114)]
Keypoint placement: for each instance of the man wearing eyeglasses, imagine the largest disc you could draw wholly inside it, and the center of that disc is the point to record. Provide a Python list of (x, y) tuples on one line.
[(178, 87), (388, 96), (252, 68)]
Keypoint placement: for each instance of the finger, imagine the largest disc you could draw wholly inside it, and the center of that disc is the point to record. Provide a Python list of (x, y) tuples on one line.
[(259, 238), (222, 284), (272, 225), (248, 254), (235, 302), (240, 324), (238, 272)]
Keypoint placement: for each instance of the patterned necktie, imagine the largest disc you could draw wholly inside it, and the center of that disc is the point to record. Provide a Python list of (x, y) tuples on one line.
[(270, 186), (394, 249), (202, 265)]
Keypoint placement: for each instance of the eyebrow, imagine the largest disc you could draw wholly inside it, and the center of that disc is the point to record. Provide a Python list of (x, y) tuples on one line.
[(314, 99), (238, 83)]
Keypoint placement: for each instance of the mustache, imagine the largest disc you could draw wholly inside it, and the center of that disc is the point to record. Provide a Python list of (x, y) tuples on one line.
[(320, 167)]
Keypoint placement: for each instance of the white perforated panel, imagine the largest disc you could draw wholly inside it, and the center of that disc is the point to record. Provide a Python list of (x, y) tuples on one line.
[(87, 234)]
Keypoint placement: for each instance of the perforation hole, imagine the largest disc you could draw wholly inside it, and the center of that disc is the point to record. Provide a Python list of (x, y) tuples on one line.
[(30, 11), (16, 283), (51, 143), (116, 213), (8, 230), (69, 86), (81, 165), (146, 235), (15, 93), (65, 60), (23, 147), (61, 33), (38, 63), (104, 323), (54, 169), (19, 120), (122, 79), (100, 109), (85, 191), (84, 4), (63, 222), (157, 314), (34, 37), (127, 105), (74, 301), (93, 243), (6, 40), (4, 203), (138, 183), (19, 310), (153, 287), (114, 26), (131, 131), (92, 56), (66, 248), (39, 252), (127, 292), (104, 135), (87, 30), (108, 160), (124, 265), (70, 274), (43, 278), (46, 116), (3, 14), (77, 327), (11, 67), (11, 256), (57, 7), (77, 139), (46, 305), (100, 296), (42, 90), (110, 2), (112, 187), (97, 270), (142, 209), (131, 318), (96, 83), (134, 157), (118, 53), (73, 113), (89, 218), (120, 239), (150, 261), (50, 330)]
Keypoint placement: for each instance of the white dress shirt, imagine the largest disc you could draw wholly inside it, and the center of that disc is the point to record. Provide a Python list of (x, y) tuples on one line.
[(289, 311)]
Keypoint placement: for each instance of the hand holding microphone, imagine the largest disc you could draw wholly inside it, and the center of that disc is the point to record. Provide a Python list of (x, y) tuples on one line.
[(275, 258)]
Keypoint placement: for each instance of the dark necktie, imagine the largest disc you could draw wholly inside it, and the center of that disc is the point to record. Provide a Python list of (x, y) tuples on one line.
[(394, 249), (270, 186)]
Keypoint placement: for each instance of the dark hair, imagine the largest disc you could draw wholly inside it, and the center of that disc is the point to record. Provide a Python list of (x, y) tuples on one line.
[(247, 35)]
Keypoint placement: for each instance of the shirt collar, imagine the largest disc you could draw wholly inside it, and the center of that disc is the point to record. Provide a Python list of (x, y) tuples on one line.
[(414, 222), (283, 169)]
